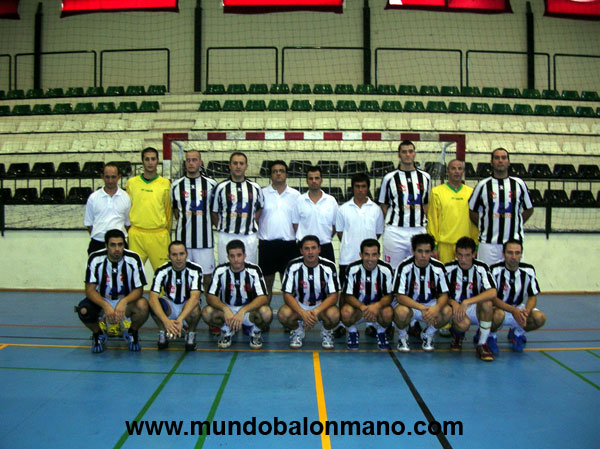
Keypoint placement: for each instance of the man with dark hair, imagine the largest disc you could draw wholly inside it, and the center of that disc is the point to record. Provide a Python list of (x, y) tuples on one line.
[(315, 212), (422, 293), (276, 235), (150, 212), (114, 281), (500, 205), (310, 292), (181, 282), (237, 298)]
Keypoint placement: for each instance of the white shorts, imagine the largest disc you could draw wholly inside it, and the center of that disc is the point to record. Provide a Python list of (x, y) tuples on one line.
[(396, 243), (205, 257), (174, 309), (509, 319), (490, 253), (472, 314), (236, 309), (250, 242)]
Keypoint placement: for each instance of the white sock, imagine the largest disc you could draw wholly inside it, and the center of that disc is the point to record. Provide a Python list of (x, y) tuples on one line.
[(430, 331), (519, 331), (402, 332), (255, 329), (351, 328), (484, 331), (379, 328), (226, 329)]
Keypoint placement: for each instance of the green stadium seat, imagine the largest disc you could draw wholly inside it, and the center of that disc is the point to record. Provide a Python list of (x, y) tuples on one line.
[(2, 95), (391, 106), (210, 106), (21, 109), (301, 89), (531, 93), (106, 107), (301, 105), (52, 195), (323, 105), (501, 108), (450, 91), (598, 111), (565, 111), (124, 168), (15, 94), (387, 89), (408, 89), (135, 90), (74, 92), (258, 89), (584, 111), (92, 91), (458, 107), (84, 108), (279, 89), (469, 91), (278, 105), (149, 106), (78, 195), (68, 170), (18, 170), (590, 95), (414, 106), (429, 90), (62, 108), (92, 169), (582, 198), (368, 106), (256, 105), (480, 108), (41, 109), (214, 89), (550, 94), (237, 89), (570, 95), (25, 195), (346, 106), (4, 110), (511, 92), (322, 89), (536, 198), (490, 92), (233, 105), (543, 109), (34, 93), (115, 90), (522, 109), (344, 89), (157, 89), (436, 106), (42, 170), (127, 106), (55, 92), (365, 89)]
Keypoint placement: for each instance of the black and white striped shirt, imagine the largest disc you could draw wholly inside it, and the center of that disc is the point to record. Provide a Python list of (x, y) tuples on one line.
[(420, 284), (237, 289), (177, 285), (115, 280), (236, 204), (500, 204), (514, 287), (465, 284), (310, 285), (191, 197), (406, 193), (369, 286)]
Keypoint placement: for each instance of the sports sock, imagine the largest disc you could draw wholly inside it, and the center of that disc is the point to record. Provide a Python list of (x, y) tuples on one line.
[(225, 328), (351, 328), (484, 331), (379, 328), (402, 332), (519, 331), (430, 330)]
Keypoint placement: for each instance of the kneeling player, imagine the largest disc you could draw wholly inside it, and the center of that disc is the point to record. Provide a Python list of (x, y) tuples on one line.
[(422, 293), (181, 282), (368, 289), (517, 295), (237, 298), (472, 290), (310, 292)]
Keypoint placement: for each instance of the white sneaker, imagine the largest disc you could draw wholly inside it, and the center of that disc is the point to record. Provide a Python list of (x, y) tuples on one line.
[(190, 341), (427, 340), (296, 338), (225, 340), (256, 340), (403, 343), (326, 339)]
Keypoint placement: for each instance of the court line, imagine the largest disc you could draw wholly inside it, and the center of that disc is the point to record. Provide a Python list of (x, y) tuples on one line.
[(420, 402), (217, 400), (2, 347), (97, 371), (585, 379), (589, 372), (593, 353), (325, 440), (149, 402)]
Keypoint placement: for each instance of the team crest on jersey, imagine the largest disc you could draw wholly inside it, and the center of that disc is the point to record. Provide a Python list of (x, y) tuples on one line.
[(186, 194), (304, 285), (173, 289)]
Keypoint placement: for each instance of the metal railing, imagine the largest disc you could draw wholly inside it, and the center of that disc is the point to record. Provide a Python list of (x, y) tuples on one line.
[(92, 52), (138, 50), (212, 49)]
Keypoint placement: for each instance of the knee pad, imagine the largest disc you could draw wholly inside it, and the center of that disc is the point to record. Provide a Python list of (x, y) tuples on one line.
[(90, 315)]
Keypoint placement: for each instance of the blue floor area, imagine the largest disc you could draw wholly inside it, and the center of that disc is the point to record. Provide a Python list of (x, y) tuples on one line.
[(54, 390)]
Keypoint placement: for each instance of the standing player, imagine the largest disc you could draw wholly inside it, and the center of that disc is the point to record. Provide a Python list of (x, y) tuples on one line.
[(150, 213), (404, 197), (276, 235), (422, 293), (472, 290), (310, 292), (114, 281), (368, 289), (237, 298), (315, 213), (500, 205), (517, 295), (236, 205), (181, 282)]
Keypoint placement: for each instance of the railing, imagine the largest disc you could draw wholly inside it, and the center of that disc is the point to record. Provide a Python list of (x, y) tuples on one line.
[(212, 49), (9, 68), (92, 52), (284, 49), (569, 55), (138, 50)]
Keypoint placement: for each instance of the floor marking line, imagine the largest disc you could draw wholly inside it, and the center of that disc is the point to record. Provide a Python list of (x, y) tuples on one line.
[(325, 440), (419, 399), (2, 347), (585, 379), (593, 353), (588, 372), (66, 370), (150, 401), (213, 408)]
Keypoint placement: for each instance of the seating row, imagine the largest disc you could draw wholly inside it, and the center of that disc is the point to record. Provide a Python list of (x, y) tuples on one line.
[(80, 108), (90, 169), (77, 145), (93, 91)]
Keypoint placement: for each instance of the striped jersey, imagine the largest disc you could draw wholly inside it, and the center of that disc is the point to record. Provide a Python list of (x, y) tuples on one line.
[(465, 284), (237, 289), (500, 203), (236, 204), (406, 193), (177, 285), (420, 284), (115, 280), (310, 285), (191, 197), (514, 287), (369, 286)]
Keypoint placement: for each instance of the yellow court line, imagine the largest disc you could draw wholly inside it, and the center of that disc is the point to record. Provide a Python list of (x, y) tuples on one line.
[(325, 442), (2, 347)]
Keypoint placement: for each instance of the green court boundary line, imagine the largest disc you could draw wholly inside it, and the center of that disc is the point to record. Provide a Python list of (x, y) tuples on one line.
[(589, 372), (593, 353), (149, 402), (66, 370), (585, 379), (213, 408)]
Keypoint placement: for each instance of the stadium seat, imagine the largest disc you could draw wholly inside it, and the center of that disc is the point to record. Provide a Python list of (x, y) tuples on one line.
[(458, 107), (157, 89), (125, 168), (149, 106), (301, 89), (228, 122), (279, 89), (444, 124), (68, 170), (92, 169), (436, 106), (4, 110), (407, 89), (215, 89), (52, 195), (349, 122), (531, 93), (450, 91), (536, 198), (115, 91), (550, 94), (256, 105), (344, 89), (44, 109), (588, 171), (387, 89), (517, 169), (429, 90), (368, 106), (582, 198), (513, 126), (330, 168), (570, 95), (584, 111), (558, 128), (470, 171), (469, 91), (74, 92), (15, 94), (27, 126), (564, 171), (480, 108), (381, 168), (135, 90), (299, 168), (2, 170), (233, 105), (543, 109), (322, 89), (391, 106), (501, 108), (511, 92), (265, 168), (484, 169), (556, 198), (579, 127), (414, 106), (278, 105), (258, 89), (346, 106), (218, 168), (25, 195), (435, 169), (42, 170), (84, 108), (335, 192), (104, 107), (301, 105), (78, 195), (62, 108), (490, 92), (127, 106), (522, 109), (18, 170), (209, 106), (565, 111), (590, 95), (549, 146), (92, 91), (5, 195), (365, 89), (2, 95), (323, 105), (354, 167), (55, 92), (21, 109), (421, 124), (252, 122)]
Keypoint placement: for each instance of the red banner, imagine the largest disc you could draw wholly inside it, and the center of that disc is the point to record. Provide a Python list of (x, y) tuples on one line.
[(266, 6), (9, 9), (479, 6), (71, 7), (580, 9)]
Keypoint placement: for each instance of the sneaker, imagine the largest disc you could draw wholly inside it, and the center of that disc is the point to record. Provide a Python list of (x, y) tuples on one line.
[(370, 331), (484, 353), (256, 340), (403, 344), (162, 343), (131, 337), (327, 339), (415, 330), (456, 344), (114, 330), (225, 340), (492, 344), (352, 340), (339, 331), (190, 341), (296, 338), (98, 341), (427, 342), (214, 331), (518, 343), (383, 343), (445, 331)]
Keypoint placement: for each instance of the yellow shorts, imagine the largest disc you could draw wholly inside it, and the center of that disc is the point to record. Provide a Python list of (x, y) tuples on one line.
[(150, 244)]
